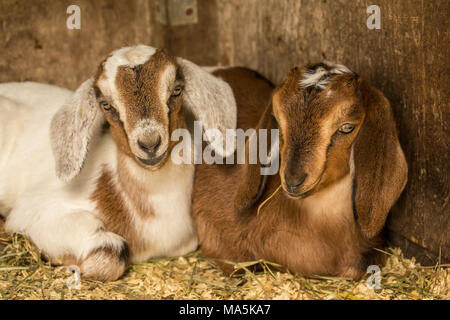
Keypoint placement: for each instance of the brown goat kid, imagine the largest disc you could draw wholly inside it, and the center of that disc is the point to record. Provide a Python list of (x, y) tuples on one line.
[(342, 169)]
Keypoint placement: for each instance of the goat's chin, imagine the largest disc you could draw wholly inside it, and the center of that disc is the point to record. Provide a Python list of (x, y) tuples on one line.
[(298, 195), (301, 193), (153, 164)]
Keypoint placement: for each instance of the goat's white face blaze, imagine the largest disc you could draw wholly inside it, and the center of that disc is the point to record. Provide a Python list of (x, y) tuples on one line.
[(312, 106), (136, 87), (134, 84)]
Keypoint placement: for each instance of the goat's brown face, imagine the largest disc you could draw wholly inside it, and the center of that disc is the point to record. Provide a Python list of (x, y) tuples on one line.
[(144, 107), (319, 116)]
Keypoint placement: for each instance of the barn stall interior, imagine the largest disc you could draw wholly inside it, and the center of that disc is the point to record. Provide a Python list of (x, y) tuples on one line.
[(406, 58)]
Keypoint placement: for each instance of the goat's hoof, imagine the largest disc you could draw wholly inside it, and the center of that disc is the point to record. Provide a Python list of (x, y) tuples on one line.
[(105, 263)]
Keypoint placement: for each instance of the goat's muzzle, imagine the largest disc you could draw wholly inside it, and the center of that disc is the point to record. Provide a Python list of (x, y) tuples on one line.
[(150, 148), (152, 161), (294, 185)]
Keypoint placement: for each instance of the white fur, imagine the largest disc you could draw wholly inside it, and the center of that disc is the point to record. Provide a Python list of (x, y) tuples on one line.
[(58, 216), (72, 127), (166, 83), (211, 69), (319, 78), (169, 192)]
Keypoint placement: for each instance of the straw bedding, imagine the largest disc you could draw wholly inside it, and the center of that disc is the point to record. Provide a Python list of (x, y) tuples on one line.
[(24, 275)]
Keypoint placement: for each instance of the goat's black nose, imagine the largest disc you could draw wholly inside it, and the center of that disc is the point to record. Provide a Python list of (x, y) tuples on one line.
[(296, 181), (149, 145)]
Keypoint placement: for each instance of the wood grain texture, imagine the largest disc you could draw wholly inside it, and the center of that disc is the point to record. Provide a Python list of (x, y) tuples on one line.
[(36, 44), (408, 59)]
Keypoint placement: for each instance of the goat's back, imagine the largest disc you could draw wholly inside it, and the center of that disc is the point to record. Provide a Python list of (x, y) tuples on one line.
[(26, 111)]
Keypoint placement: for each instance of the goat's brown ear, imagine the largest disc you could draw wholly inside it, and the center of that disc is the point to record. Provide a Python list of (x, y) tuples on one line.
[(253, 181), (381, 170)]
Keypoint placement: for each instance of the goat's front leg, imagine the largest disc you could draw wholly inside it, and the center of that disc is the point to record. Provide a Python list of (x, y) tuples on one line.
[(73, 238)]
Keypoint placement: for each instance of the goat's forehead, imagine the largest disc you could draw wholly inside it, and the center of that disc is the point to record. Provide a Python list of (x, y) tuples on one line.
[(317, 76), (159, 66), (128, 56), (324, 81), (334, 101)]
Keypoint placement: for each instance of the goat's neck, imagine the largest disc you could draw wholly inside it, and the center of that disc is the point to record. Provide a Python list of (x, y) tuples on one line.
[(137, 184), (334, 202)]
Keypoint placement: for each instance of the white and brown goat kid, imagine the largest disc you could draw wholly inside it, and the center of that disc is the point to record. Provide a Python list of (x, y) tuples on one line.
[(342, 169), (88, 175)]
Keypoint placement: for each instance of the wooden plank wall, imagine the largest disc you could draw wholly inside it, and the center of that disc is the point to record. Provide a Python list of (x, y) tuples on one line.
[(408, 59), (35, 43)]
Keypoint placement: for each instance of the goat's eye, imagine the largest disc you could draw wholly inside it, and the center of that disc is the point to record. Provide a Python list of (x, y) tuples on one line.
[(177, 91), (106, 106), (346, 128)]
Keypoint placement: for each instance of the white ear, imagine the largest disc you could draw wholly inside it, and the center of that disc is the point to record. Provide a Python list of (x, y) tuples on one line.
[(211, 101), (71, 130)]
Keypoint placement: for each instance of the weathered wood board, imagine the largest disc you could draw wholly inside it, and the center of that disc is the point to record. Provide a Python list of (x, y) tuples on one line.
[(35, 43)]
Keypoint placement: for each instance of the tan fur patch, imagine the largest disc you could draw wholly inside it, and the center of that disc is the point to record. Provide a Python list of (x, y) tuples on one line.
[(114, 212)]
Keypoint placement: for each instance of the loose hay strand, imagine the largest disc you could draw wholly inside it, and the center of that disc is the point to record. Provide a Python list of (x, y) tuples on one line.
[(268, 199)]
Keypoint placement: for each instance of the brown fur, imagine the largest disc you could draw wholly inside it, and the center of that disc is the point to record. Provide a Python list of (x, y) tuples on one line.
[(313, 229), (138, 89), (114, 212)]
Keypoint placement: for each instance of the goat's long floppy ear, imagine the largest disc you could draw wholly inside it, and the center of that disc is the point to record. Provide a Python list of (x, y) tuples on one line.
[(72, 128), (253, 183), (210, 100), (381, 170)]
